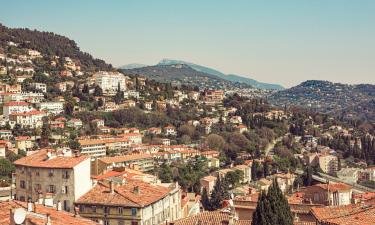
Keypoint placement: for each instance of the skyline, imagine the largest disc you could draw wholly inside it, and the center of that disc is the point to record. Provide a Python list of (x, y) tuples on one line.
[(285, 43)]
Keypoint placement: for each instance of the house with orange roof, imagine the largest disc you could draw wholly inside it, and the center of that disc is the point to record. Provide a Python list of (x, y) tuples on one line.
[(169, 130), (130, 201), (16, 107), (39, 214), (24, 143), (141, 162), (331, 194), (30, 119), (6, 134), (355, 214), (51, 176)]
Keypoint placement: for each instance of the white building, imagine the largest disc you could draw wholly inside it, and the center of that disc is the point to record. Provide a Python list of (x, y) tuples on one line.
[(110, 82), (51, 177), (51, 107), (31, 119), (15, 107), (40, 86)]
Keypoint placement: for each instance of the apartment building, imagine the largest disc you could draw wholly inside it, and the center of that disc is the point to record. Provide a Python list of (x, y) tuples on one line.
[(141, 162), (129, 201), (110, 82), (331, 194), (98, 147), (54, 108), (15, 107), (51, 177), (31, 119)]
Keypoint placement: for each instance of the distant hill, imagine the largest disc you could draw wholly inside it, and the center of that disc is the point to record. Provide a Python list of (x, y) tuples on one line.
[(207, 70), (50, 44), (182, 74), (230, 77), (325, 96), (132, 66)]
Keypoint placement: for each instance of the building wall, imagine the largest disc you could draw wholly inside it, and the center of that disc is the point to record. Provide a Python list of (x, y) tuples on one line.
[(82, 180)]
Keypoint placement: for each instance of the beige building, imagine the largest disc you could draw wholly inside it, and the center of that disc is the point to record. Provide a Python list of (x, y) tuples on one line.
[(141, 162), (208, 182), (131, 202), (52, 177)]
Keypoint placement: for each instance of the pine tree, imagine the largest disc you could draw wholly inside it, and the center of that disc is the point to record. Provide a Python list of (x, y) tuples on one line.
[(205, 200)]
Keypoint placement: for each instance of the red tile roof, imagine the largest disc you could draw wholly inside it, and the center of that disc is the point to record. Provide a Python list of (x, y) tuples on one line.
[(211, 218), (357, 214), (39, 159), (124, 158), (39, 217), (16, 104), (125, 195)]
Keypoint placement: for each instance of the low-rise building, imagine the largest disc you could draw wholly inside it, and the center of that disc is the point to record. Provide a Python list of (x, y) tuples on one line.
[(50, 177), (328, 194), (129, 201), (51, 107), (141, 162)]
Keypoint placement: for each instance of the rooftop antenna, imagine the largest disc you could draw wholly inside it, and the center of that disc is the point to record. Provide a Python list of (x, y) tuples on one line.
[(19, 215)]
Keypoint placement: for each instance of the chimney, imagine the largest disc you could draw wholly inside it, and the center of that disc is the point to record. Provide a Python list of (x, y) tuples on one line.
[(136, 190), (76, 211), (30, 206), (111, 187), (48, 222), (58, 206)]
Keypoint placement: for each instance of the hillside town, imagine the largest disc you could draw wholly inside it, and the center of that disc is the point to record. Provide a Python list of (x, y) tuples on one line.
[(88, 144)]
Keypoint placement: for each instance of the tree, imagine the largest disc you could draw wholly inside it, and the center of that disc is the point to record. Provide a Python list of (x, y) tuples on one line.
[(279, 205), (165, 173), (98, 91), (215, 141), (272, 208), (219, 193), (307, 176), (205, 200), (262, 214)]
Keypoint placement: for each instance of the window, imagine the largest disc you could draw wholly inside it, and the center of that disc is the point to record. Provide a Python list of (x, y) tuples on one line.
[(106, 222), (37, 173), (64, 189), (134, 223), (22, 184), (134, 211), (38, 187), (65, 174), (81, 208), (93, 209), (120, 210), (50, 173), (106, 210), (51, 189)]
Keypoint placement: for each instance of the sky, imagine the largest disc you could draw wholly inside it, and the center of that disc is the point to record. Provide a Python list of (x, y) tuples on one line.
[(284, 42)]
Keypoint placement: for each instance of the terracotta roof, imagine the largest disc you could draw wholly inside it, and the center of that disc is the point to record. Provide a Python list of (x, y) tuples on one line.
[(124, 158), (39, 159), (22, 138), (346, 215), (39, 218), (16, 104), (101, 141), (125, 195), (30, 113), (211, 218), (335, 186)]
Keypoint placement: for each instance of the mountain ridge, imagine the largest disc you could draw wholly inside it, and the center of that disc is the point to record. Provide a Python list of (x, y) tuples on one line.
[(228, 77)]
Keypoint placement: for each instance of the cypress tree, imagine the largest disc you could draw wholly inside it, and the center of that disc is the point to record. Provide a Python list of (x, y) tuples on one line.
[(205, 200), (279, 205), (263, 214), (272, 208)]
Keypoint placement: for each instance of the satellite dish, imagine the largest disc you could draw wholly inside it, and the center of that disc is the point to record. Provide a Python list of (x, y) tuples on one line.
[(19, 215)]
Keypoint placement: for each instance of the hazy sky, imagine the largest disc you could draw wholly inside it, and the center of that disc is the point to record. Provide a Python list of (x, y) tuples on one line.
[(279, 41)]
